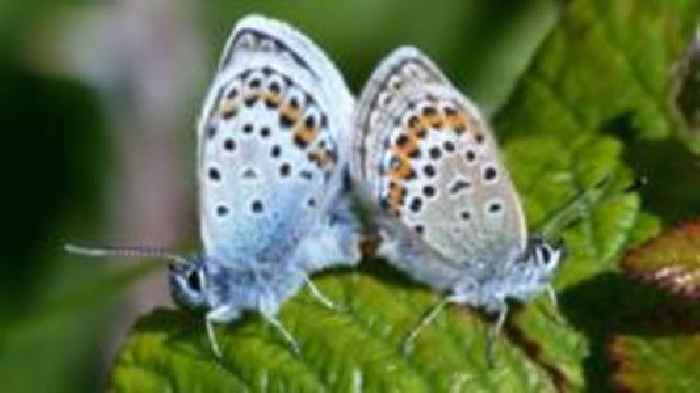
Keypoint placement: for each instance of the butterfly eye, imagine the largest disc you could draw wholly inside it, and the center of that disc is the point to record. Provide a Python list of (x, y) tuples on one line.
[(545, 255), (193, 281)]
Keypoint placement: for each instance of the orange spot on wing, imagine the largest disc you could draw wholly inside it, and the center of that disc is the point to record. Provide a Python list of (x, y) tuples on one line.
[(290, 112), (271, 98), (306, 134), (228, 108), (457, 122), (321, 157), (396, 196), (403, 170)]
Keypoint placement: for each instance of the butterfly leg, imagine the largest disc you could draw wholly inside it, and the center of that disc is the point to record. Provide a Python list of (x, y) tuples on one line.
[(554, 315), (272, 320), (221, 314), (316, 293), (268, 309), (552, 297), (567, 214), (427, 319), (494, 331), (211, 334)]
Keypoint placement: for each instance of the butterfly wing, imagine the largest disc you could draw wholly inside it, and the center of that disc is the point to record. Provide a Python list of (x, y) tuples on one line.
[(429, 161), (269, 144)]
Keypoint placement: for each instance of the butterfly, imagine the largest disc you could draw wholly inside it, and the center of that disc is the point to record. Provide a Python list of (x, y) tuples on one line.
[(273, 146), (447, 213)]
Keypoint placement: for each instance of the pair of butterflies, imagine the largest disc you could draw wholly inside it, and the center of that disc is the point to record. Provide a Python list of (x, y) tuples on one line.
[(278, 135)]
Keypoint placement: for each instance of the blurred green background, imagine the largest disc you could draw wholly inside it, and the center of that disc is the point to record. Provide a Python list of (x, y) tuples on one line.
[(99, 101)]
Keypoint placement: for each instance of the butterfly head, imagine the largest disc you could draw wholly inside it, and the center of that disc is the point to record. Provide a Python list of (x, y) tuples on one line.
[(541, 259), (188, 284)]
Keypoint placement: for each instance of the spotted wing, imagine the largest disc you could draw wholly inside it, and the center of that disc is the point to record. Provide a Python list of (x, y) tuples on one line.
[(269, 143), (429, 162)]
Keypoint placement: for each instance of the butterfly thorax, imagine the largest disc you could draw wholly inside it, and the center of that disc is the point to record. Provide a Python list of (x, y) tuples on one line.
[(207, 284)]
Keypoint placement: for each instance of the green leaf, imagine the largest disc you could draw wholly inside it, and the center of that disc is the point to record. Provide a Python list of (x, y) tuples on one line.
[(658, 362), (670, 261), (605, 61), (614, 67), (557, 172)]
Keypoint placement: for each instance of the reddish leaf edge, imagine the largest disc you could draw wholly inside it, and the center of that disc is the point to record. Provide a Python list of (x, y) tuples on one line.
[(672, 279)]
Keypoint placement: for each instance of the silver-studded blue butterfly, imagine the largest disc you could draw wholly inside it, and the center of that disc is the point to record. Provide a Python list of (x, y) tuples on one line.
[(272, 152), (447, 212)]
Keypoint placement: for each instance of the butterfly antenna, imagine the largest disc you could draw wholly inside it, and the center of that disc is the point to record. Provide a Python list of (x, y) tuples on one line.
[(130, 252), (571, 211)]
